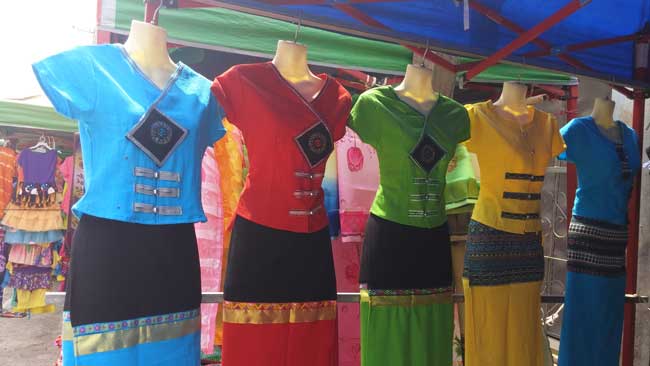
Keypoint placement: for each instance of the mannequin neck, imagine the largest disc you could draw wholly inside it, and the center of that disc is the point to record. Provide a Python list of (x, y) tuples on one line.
[(513, 96), (147, 46), (291, 62), (417, 88), (603, 112), (512, 104)]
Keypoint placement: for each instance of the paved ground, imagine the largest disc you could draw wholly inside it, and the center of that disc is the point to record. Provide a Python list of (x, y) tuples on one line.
[(30, 342)]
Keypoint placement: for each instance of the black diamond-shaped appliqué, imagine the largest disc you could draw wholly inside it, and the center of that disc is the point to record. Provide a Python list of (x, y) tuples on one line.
[(315, 144), (427, 153), (157, 135)]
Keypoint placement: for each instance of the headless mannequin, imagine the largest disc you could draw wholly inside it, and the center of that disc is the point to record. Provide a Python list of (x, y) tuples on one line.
[(416, 89), (603, 113), (291, 62), (512, 103), (147, 46)]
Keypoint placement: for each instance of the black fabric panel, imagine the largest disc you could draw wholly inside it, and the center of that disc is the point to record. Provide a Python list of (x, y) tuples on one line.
[(270, 265), (121, 270), (397, 256)]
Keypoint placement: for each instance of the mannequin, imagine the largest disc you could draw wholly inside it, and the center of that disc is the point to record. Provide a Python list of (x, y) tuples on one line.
[(417, 89), (147, 46), (512, 103), (291, 62), (603, 112)]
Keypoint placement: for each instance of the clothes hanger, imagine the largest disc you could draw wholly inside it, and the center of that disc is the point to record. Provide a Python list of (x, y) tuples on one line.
[(41, 146), (424, 55)]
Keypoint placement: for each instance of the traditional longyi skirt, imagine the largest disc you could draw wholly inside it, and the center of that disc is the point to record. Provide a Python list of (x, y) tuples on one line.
[(132, 295), (502, 283), (406, 309), (280, 298), (592, 323)]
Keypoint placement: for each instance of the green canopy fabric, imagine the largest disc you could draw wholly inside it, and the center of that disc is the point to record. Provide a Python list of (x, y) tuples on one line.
[(237, 32), (33, 116)]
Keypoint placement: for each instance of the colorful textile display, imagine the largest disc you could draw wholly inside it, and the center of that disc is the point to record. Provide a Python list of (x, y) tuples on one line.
[(7, 175), (229, 154), (504, 261), (406, 307), (592, 320), (209, 236), (358, 177), (280, 289), (142, 146)]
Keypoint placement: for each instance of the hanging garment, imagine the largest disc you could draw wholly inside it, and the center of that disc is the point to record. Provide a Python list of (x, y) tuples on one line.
[(7, 175), (13, 236), (461, 190), (357, 188), (209, 236), (280, 289), (504, 259), (592, 320), (406, 260), (39, 255), (66, 168), (141, 147)]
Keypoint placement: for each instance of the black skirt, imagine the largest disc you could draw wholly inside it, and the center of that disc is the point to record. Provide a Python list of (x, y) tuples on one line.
[(397, 256), (121, 270), (276, 266)]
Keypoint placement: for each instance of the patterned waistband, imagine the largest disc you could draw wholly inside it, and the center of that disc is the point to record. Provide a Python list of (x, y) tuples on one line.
[(278, 313), (407, 297), (596, 248), (494, 257)]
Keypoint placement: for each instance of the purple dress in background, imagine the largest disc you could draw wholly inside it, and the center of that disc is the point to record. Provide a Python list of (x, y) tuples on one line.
[(38, 168)]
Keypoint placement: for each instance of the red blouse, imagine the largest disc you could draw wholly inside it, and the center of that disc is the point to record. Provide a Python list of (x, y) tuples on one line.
[(288, 140)]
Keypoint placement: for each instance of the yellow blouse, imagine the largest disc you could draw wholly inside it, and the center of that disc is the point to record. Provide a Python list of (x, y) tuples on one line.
[(513, 160)]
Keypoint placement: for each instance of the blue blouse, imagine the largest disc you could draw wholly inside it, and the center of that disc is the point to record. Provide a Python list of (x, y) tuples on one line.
[(142, 146), (603, 190)]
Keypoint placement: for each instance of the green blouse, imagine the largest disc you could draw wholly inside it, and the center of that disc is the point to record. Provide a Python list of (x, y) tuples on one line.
[(413, 151)]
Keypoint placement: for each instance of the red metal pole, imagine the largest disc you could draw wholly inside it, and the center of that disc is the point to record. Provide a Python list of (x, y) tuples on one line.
[(638, 119), (525, 38)]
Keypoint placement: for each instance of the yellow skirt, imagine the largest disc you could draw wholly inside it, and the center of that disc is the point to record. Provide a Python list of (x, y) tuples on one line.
[(33, 219), (503, 325)]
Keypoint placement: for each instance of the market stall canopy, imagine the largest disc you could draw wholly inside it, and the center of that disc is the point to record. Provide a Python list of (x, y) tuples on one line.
[(243, 33), (25, 115), (591, 38)]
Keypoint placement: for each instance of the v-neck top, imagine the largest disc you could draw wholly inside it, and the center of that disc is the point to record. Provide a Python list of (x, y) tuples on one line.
[(513, 159), (142, 146), (603, 191), (408, 194), (288, 140)]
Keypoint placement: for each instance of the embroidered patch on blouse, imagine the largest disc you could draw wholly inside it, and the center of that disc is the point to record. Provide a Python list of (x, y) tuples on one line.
[(157, 135), (315, 144), (427, 153)]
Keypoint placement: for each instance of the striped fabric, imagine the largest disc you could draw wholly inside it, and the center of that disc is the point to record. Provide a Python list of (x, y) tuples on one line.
[(596, 247)]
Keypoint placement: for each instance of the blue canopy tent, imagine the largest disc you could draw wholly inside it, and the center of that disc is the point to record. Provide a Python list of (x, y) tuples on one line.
[(606, 40)]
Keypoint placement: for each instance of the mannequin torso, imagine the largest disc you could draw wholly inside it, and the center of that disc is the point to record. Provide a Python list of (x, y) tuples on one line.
[(147, 46), (512, 103), (603, 114), (417, 90), (291, 62)]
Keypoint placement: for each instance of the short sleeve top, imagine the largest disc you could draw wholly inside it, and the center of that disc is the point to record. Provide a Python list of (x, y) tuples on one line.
[(141, 145), (288, 140), (513, 159), (603, 187), (413, 151)]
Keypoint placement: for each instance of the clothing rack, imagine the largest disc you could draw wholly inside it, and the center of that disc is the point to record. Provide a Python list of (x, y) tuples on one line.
[(352, 297)]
